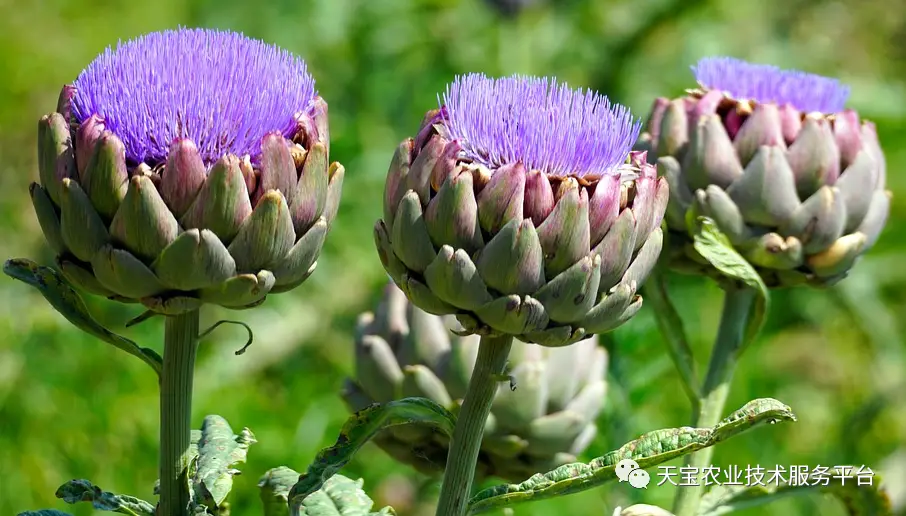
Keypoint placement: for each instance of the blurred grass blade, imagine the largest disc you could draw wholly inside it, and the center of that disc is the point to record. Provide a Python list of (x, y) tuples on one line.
[(64, 299), (649, 450), (275, 486), (76, 491), (671, 327), (359, 429), (859, 500), (338, 496), (44, 512), (715, 247), (218, 450)]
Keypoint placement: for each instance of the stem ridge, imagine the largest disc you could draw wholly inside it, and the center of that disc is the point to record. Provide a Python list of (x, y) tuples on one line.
[(466, 443), (180, 350)]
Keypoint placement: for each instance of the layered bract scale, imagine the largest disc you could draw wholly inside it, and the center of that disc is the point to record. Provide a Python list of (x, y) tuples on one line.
[(176, 186), (795, 181), (519, 209), (547, 421)]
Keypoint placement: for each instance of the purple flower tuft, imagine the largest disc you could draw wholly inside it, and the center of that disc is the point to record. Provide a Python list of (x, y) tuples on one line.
[(766, 83), (539, 122), (221, 89)]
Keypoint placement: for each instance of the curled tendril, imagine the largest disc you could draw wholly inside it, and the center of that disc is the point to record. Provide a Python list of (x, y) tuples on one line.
[(225, 321)]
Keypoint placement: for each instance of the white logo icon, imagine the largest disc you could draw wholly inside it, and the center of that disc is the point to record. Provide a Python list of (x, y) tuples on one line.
[(628, 470), (639, 479), (624, 468)]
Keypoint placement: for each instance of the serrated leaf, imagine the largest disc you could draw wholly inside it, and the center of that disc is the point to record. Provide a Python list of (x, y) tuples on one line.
[(44, 512), (715, 247), (64, 299), (275, 486), (218, 450), (80, 490), (359, 429), (649, 450), (859, 500), (339, 496)]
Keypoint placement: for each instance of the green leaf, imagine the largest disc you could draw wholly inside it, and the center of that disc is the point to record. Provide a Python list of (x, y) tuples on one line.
[(648, 450), (275, 486), (44, 512), (715, 247), (843, 483), (671, 326), (64, 299), (358, 430), (339, 496), (218, 450), (76, 491)]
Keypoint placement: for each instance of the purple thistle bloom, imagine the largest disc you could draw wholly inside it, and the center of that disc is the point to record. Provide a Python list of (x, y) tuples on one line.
[(766, 83), (221, 89), (539, 122)]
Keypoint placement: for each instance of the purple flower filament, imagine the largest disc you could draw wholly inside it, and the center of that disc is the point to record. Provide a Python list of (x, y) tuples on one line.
[(221, 89), (539, 122), (770, 84)]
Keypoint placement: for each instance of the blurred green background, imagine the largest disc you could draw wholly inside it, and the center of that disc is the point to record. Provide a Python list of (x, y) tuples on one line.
[(72, 407)]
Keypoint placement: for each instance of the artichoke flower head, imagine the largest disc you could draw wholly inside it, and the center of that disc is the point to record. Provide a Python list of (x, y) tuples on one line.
[(519, 209), (188, 167), (795, 180)]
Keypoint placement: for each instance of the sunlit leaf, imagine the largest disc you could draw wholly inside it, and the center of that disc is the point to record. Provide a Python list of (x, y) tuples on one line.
[(339, 496), (648, 450), (64, 299), (218, 451), (359, 429), (275, 486), (715, 247)]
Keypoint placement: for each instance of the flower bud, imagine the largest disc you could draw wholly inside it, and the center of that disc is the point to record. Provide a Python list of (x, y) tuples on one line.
[(793, 179)]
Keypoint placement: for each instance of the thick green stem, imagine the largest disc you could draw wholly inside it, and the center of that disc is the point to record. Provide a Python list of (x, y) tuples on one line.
[(180, 346), (466, 443), (730, 338)]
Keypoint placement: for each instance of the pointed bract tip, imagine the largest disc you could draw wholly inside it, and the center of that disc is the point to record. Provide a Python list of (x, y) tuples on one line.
[(182, 144), (64, 103)]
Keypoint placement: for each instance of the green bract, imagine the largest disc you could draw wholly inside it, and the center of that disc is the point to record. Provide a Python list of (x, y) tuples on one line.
[(545, 422), (183, 234), (509, 251), (800, 195)]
